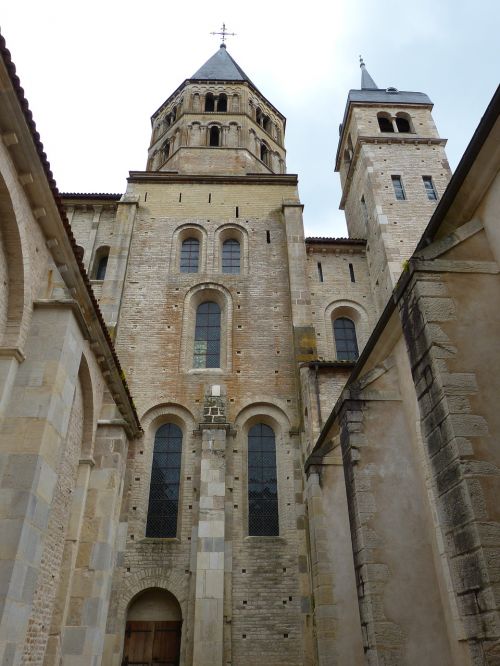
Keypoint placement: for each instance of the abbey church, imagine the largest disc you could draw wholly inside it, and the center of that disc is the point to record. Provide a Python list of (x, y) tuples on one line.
[(225, 443)]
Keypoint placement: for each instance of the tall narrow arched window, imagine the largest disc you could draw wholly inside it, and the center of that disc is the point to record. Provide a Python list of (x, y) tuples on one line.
[(100, 263), (190, 255), (262, 482), (165, 479), (209, 102), (346, 344), (222, 102), (207, 336), (264, 153), (231, 256), (214, 136)]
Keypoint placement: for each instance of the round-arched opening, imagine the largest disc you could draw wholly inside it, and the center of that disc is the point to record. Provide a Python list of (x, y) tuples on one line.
[(209, 102), (385, 122), (264, 153), (153, 629), (214, 136), (222, 103), (403, 123)]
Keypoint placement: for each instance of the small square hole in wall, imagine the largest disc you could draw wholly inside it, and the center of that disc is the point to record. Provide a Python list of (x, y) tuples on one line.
[(239, 326), (285, 635), (134, 508), (289, 401), (231, 399), (137, 478), (238, 292), (128, 569), (189, 538), (141, 453), (243, 571), (188, 478), (186, 571), (289, 598), (284, 569), (235, 506), (236, 478), (235, 450), (276, 372), (245, 602), (132, 537), (238, 372), (284, 602), (243, 635), (190, 506)]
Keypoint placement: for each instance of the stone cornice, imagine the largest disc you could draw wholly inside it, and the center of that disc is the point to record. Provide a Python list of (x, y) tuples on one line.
[(248, 179)]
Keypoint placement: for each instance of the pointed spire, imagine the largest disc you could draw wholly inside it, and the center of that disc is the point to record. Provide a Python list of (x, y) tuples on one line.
[(366, 80)]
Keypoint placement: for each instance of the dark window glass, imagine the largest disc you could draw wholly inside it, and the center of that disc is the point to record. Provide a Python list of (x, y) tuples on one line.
[(403, 125), (207, 336), (399, 190), (102, 265), (385, 124), (231, 256), (190, 255), (209, 102), (345, 339), (165, 478), (222, 103), (214, 136), (264, 153), (262, 482), (429, 188)]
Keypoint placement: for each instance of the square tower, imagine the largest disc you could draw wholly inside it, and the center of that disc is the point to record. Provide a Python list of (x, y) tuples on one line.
[(393, 170)]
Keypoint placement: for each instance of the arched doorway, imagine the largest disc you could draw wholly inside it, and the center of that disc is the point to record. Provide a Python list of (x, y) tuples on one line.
[(153, 630)]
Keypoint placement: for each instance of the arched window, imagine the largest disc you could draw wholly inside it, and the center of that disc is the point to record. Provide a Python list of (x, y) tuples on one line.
[(403, 124), (231, 256), (190, 255), (214, 136), (385, 123), (222, 102), (346, 344), (100, 263), (165, 479), (262, 482), (166, 149), (258, 116), (266, 123), (264, 153), (207, 336), (209, 102)]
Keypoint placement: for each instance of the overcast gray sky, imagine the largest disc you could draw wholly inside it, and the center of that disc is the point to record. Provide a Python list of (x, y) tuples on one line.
[(94, 72)]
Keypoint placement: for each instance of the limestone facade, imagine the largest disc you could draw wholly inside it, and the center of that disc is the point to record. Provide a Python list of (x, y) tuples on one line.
[(385, 540)]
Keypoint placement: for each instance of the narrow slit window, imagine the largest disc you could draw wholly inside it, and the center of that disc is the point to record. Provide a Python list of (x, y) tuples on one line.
[(268, 236), (207, 336), (351, 273), (231, 256), (101, 263), (364, 211), (210, 198), (399, 190), (346, 344), (320, 272), (190, 255), (262, 482), (180, 197), (429, 188), (237, 211), (165, 482)]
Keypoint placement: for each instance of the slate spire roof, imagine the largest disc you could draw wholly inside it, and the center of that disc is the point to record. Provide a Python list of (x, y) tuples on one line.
[(367, 83), (221, 67)]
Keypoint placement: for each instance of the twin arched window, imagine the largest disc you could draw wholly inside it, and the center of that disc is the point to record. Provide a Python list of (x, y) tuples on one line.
[(190, 256), (207, 336), (346, 344), (163, 505), (402, 121), (165, 480), (262, 482)]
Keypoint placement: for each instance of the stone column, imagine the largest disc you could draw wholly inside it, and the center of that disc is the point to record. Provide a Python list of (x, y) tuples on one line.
[(209, 602)]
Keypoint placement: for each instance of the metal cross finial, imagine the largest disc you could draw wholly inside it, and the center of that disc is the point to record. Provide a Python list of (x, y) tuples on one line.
[(361, 61), (224, 33)]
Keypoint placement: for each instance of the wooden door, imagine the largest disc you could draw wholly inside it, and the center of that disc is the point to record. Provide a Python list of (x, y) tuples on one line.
[(152, 644)]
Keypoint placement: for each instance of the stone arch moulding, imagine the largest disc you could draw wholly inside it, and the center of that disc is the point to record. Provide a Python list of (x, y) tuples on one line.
[(155, 416), (153, 577), (351, 310), (207, 291), (17, 265), (89, 408), (226, 232), (181, 233), (275, 417)]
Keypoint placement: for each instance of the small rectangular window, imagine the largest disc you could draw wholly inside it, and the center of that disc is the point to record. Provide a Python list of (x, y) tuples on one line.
[(399, 191), (320, 271), (429, 188), (351, 273)]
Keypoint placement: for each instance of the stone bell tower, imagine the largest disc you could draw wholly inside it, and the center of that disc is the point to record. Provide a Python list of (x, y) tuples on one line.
[(217, 122), (393, 170)]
